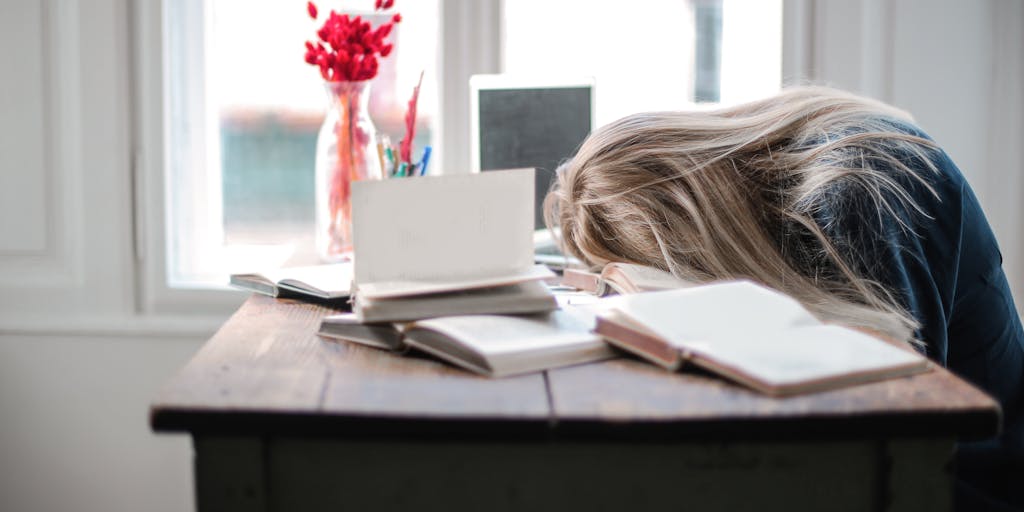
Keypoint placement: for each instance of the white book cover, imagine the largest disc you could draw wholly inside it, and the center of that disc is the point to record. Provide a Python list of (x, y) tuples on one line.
[(439, 233)]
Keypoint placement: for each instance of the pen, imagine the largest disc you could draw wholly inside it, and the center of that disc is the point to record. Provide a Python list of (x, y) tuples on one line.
[(401, 169), (380, 156), (391, 160), (424, 160)]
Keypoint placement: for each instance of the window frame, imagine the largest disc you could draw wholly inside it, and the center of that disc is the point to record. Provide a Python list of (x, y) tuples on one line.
[(470, 43)]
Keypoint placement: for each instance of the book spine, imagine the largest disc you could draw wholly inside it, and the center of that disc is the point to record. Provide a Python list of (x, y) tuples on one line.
[(581, 280), (642, 344)]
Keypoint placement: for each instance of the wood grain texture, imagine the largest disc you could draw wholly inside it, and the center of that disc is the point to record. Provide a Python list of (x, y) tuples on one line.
[(368, 381), (267, 370), (266, 357), (626, 390)]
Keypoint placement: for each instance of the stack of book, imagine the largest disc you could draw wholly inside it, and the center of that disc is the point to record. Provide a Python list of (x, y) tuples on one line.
[(445, 264)]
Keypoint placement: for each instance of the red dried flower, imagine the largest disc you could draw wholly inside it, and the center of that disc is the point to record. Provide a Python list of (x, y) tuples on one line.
[(353, 45), (405, 146)]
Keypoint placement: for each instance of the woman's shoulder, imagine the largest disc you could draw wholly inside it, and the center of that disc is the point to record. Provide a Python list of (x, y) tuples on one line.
[(920, 164), (906, 126), (910, 188)]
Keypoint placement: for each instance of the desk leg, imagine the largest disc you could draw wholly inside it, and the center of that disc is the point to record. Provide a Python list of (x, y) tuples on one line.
[(230, 474)]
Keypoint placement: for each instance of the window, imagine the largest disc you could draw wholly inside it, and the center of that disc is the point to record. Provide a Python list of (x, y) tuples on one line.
[(237, 109), (244, 113), (650, 54)]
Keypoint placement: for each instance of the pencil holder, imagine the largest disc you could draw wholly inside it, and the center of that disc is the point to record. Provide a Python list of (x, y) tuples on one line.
[(345, 152)]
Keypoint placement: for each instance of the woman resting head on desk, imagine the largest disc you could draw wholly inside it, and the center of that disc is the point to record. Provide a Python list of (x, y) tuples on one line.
[(837, 200)]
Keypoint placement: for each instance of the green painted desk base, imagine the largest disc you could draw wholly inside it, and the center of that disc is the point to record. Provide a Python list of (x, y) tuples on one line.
[(279, 474)]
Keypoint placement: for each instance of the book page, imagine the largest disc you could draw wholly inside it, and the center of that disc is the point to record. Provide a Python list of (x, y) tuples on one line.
[(690, 317), (631, 278), (436, 228), (332, 280), (513, 344), (492, 335), (397, 288), (807, 356), (527, 297)]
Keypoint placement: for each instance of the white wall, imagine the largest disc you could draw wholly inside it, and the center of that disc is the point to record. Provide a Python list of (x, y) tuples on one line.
[(79, 363), (74, 429), (957, 66), (81, 356)]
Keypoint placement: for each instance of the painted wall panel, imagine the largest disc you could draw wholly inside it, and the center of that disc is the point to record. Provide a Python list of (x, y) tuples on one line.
[(23, 149)]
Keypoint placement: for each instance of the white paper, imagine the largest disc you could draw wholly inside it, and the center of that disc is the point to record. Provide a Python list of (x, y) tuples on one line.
[(335, 277), (728, 310), (808, 354), (443, 227), (516, 344)]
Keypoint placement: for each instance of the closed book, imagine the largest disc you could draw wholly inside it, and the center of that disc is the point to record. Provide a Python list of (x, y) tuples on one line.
[(345, 326), (528, 297)]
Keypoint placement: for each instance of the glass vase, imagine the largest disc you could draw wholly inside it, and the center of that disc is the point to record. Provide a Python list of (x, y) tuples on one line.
[(346, 151)]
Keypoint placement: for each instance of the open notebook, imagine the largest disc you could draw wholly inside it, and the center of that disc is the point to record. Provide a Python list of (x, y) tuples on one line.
[(446, 245), (492, 345), (622, 278), (326, 282), (752, 335)]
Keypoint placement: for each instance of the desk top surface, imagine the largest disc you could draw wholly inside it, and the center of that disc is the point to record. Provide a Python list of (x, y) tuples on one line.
[(266, 371)]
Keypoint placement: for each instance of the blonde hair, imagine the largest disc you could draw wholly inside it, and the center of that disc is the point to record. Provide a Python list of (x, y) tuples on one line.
[(735, 193)]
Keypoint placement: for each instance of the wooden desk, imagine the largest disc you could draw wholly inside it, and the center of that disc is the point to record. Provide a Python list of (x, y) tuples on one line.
[(283, 420)]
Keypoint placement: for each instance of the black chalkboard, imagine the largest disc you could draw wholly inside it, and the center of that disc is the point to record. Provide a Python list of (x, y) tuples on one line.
[(532, 127)]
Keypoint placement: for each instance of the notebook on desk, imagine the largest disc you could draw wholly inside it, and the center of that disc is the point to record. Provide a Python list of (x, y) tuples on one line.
[(539, 123), (446, 245)]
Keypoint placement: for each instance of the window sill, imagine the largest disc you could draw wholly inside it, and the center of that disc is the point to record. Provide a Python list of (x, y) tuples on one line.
[(131, 326)]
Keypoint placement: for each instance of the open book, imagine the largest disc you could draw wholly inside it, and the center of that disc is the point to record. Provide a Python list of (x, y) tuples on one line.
[(493, 345), (446, 245), (622, 278), (751, 335), (327, 282)]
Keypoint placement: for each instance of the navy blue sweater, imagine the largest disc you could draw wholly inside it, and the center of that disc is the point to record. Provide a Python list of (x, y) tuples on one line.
[(947, 270)]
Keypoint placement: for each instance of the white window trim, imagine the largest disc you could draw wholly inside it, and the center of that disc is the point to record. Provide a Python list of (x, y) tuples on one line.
[(470, 44)]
